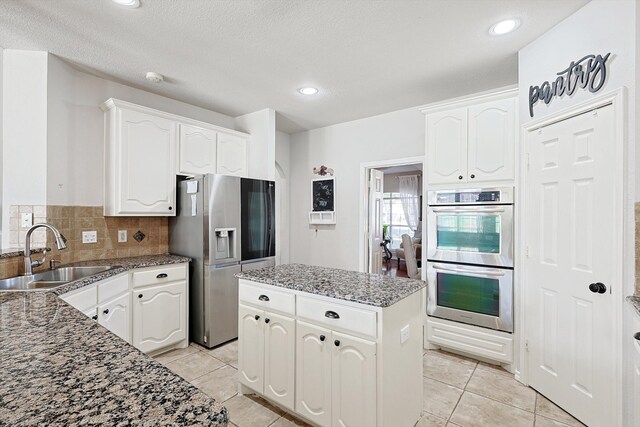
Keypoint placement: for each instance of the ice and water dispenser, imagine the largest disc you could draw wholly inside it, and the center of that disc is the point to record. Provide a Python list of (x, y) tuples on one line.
[(225, 243)]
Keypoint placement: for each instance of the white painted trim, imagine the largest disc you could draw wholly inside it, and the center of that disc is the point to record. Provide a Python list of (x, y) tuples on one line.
[(465, 101), (116, 103), (363, 237), (624, 253)]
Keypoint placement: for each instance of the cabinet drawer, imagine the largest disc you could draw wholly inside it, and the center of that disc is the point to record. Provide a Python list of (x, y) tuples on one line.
[(84, 298), (158, 276), (338, 316), (267, 298), (112, 287)]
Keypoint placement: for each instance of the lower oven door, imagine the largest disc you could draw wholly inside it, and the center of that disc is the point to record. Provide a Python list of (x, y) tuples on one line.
[(481, 296)]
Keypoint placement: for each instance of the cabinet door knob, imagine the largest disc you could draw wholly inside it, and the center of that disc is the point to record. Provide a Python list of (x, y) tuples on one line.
[(162, 276), (472, 176), (257, 317), (170, 208), (106, 311), (337, 343), (267, 320), (263, 298), (331, 315), (637, 336), (139, 295), (94, 317), (459, 176), (322, 337)]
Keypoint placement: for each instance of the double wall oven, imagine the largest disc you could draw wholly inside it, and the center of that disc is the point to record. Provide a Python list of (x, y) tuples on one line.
[(470, 256)]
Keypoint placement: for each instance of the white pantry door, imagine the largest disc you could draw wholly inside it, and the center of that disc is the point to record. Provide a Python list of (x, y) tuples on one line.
[(570, 233), (376, 203)]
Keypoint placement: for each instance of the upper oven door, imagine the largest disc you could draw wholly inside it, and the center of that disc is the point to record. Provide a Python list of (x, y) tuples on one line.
[(481, 235)]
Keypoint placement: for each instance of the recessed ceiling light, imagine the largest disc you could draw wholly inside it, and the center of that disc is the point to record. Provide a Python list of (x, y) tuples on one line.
[(504, 27), (154, 77), (308, 90), (131, 4)]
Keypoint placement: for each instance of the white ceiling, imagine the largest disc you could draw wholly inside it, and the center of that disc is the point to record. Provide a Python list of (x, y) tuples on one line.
[(238, 56)]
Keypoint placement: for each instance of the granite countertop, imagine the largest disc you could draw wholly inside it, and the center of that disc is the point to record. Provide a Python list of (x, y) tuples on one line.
[(61, 368), (15, 252), (635, 303), (363, 288)]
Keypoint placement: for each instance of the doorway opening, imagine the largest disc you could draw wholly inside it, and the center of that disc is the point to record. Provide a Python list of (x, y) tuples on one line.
[(392, 194)]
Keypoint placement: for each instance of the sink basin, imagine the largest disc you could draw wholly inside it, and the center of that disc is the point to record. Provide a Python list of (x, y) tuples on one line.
[(50, 279)]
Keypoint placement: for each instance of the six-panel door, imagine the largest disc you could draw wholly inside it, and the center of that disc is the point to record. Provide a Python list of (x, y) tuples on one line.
[(313, 373), (115, 316), (197, 150), (353, 384), (146, 164), (251, 347), (279, 350), (159, 316)]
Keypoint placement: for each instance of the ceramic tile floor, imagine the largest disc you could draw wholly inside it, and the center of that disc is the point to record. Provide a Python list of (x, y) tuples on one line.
[(457, 392)]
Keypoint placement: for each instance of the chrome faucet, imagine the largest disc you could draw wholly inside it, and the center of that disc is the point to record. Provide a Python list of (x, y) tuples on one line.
[(61, 243)]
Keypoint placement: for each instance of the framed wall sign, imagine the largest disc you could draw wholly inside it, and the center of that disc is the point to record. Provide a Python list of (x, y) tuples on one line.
[(323, 201)]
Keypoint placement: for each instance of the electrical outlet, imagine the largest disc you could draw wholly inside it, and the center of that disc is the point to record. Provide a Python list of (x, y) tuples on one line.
[(26, 220), (89, 237), (405, 333), (122, 236)]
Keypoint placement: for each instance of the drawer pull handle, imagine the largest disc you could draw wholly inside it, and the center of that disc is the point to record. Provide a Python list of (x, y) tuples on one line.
[(267, 320), (106, 311), (637, 336), (257, 317), (162, 276), (263, 298), (94, 317), (322, 337), (331, 315), (139, 295), (337, 343)]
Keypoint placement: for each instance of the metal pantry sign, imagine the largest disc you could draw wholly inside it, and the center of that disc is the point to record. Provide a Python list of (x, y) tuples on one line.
[(589, 72)]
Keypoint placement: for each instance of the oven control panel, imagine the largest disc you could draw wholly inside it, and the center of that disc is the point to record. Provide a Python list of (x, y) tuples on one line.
[(471, 197)]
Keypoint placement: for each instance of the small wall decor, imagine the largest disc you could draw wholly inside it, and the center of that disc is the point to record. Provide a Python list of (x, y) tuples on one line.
[(323, 201), (589, 72), (323, 170)]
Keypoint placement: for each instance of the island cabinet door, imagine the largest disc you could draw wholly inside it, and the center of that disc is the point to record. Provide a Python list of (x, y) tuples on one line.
[(353, 388), (115, 316), (313, 373), (279, 353), (251, 347)]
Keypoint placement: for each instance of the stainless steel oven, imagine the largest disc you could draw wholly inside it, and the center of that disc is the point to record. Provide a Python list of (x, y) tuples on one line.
[(481, 296), (472, 226)]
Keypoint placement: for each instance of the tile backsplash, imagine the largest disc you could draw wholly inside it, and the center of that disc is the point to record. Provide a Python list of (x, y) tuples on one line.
[(72, 221)]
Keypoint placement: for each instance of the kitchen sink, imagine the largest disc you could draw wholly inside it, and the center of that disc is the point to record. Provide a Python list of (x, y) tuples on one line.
[(50, 279)]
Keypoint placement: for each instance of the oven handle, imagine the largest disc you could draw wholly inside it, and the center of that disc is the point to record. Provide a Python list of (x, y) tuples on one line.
[(469, 209), (464, 270)]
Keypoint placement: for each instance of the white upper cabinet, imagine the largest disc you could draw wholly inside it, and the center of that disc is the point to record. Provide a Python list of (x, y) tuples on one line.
[(197, 150), (447, 146), (474, 141), (232, 155), (491, 145)]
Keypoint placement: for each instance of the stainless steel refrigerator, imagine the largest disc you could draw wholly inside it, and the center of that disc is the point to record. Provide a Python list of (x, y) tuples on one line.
[(226, 224)]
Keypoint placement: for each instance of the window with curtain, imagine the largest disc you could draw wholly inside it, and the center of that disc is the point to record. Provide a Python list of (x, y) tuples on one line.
[(394, 217)]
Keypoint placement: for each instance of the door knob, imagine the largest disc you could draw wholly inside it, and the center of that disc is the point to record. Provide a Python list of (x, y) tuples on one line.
[(598, 288), (472, 176), (459, 176), (322, 337), (337, 343), (257, 317), (267, 320), (106, 311), (95, 317)]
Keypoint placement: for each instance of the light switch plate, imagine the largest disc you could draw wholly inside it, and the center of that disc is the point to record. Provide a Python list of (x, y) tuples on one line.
[(89, 237), (26, 220), (405, 333), (122, 236)]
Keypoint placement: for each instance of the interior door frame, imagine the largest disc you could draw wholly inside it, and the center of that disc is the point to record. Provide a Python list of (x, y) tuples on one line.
[(624, 211), (363, 227)]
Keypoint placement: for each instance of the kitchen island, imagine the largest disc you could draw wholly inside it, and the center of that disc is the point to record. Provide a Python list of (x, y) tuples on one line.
[(335, 347), (60, 367)]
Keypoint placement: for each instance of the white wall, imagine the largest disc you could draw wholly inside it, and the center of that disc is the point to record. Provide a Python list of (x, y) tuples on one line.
[(1, 80), (344, 147), (262, 146), (24, 130), (283, 189)]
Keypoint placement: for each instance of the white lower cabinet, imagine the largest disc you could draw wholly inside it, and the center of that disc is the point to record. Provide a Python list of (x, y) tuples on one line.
[(266, 355), (145, 307), (333, 365), (115, 315), (159, 316)]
